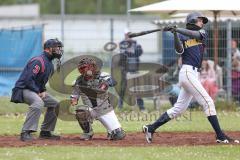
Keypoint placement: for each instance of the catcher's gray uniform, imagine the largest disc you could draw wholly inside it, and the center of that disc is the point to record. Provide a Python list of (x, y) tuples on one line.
[(97, 106)]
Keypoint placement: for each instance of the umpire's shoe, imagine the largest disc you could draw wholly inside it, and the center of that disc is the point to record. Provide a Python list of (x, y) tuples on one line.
[(48, 135), (26, 136), (148, 135)]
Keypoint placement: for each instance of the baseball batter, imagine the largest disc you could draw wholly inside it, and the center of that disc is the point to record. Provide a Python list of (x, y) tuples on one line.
[(190, 43), (92, 86)]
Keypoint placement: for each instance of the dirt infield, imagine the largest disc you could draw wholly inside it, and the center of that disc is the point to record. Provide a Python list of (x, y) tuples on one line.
[(132, 139)]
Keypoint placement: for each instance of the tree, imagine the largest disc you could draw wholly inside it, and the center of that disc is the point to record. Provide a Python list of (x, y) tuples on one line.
[(82, 6)]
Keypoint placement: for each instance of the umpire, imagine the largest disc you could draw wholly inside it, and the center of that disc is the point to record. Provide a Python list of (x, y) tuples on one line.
[(30, 89)]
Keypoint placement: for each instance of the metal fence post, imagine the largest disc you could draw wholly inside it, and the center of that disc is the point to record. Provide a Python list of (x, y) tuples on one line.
[(111, 30), (128, 13), (229, 60), (62, 24), (111, 39)]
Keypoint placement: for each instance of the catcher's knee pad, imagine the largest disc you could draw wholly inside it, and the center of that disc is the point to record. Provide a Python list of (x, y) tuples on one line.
[(84, 119), (117, 134), (110, 121)]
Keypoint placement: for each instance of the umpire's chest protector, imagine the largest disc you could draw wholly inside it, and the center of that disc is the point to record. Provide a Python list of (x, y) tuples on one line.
[(49, 69)]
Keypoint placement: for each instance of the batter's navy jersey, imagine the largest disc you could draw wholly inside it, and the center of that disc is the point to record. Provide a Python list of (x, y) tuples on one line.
[(193, 49)]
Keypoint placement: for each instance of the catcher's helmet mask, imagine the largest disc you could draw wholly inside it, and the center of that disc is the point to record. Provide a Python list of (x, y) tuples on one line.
[(88, 68)]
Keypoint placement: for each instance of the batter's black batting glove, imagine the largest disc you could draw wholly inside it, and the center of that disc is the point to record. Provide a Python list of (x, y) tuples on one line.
[(171, 28)]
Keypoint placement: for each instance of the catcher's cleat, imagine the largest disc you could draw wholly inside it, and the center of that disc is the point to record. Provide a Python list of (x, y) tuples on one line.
[(48, 135), (148, 135), (87, 136), (26, 136), (225, 139), (117, 134)]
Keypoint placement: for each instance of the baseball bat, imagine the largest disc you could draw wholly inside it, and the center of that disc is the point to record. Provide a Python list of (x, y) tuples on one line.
[(131, 35)]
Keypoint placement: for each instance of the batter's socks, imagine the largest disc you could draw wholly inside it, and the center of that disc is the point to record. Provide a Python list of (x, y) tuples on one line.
[(214, 122), (164, 118)]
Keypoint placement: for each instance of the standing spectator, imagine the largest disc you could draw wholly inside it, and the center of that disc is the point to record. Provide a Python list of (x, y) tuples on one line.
[(208, 79), (236, 85), (235, 71), (30, 89), (235, 56), (131, 51), (235, 50)]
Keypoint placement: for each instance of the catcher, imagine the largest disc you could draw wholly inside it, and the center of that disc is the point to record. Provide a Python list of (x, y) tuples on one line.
[(92, 86)]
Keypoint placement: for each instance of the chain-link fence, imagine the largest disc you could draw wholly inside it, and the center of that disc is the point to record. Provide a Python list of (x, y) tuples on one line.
[(88, 35)]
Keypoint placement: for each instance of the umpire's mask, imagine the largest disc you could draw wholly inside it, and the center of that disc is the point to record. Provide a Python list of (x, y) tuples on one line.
[(57, 47)]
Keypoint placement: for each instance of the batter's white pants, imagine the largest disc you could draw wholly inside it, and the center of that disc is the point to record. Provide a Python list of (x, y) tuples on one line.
[(191, 87)]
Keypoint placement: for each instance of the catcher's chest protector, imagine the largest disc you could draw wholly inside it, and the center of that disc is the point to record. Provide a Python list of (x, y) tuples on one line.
[(93, 96)]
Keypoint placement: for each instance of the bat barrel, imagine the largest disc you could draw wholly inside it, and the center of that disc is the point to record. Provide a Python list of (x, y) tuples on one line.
[(131, 35)]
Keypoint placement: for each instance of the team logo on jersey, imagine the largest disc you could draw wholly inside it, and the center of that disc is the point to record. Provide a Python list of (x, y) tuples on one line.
[(36, 69), (191, 43)]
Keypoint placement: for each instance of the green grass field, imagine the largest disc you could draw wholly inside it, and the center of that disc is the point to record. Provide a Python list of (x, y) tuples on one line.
[(11, 122), (132, 122), (11, 125), (117, 153)]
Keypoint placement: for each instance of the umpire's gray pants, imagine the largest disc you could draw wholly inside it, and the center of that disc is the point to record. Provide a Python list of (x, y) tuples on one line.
[(35, 105)]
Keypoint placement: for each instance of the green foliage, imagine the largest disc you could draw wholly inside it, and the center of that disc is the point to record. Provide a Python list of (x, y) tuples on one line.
[(49, 6), (8, 2), (114, 7), (221, 105), (82, 6), (229, 106), (139, 3)]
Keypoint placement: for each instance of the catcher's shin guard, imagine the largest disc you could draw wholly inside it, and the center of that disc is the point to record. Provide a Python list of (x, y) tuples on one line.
[(117, 134), (85, 122), (87, 136)]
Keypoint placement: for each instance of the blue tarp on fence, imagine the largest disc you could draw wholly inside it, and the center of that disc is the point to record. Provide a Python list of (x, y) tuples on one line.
[(17, 46)]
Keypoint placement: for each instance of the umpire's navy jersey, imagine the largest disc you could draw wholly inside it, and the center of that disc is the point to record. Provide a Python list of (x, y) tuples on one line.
[(193, 49), (36, 73)]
